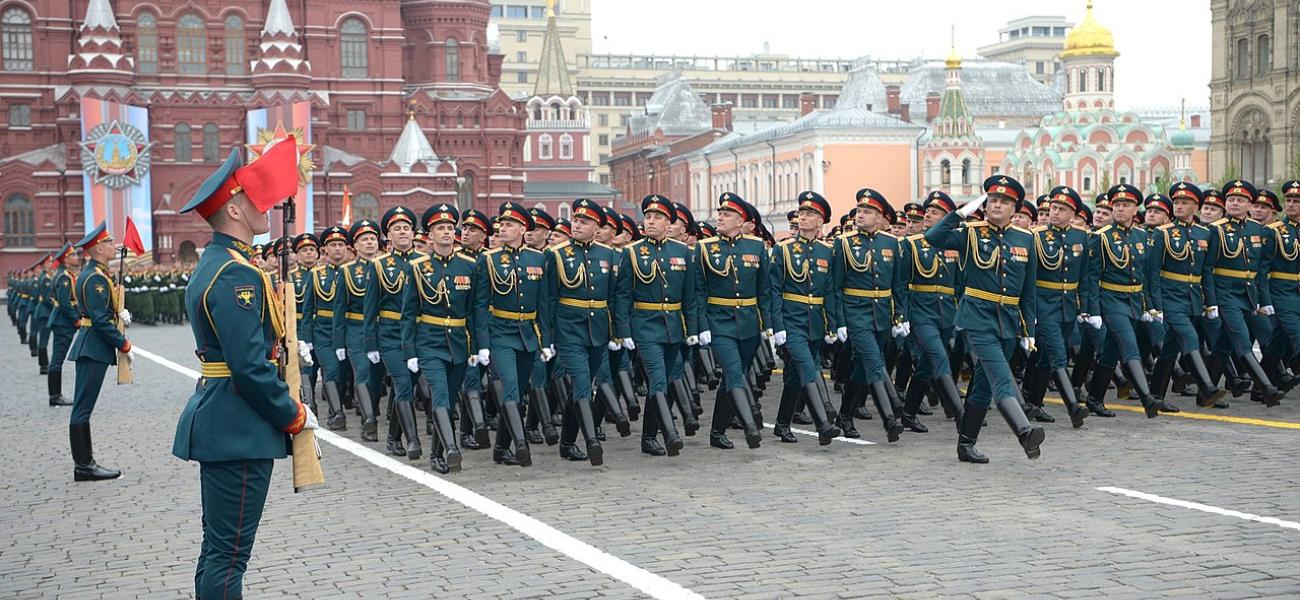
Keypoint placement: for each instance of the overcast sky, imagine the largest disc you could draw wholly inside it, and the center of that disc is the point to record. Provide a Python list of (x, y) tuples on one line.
[(1148, 72)]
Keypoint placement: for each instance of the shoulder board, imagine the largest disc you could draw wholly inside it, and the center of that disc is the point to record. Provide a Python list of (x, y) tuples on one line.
[(916, 236), (318, 268), (1198, 225), (1250, 220), (709, 239), (786, 241), (419, 259), (469, 259), (888, 235), (1276, 225), (1104, 229), (348, 264), (559, 246), (490, 252), (1140, 227), (1165, 226), (826, 243), (607, 246), (533, 250), (627, 247), (752, 237), (847, 234), (679, 243), (1021, 229), (1081, 228), (381, 256), (1220, 221), (976, 223), (1038, 228)]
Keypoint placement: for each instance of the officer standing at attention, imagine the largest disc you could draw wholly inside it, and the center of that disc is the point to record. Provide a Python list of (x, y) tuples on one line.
[(998, 305), (513, 318), (322, 287), (94, 348), (41, 316), (306, 246), (349, 325), (241, 415), (735, 282), (63, 321), (383, 327)]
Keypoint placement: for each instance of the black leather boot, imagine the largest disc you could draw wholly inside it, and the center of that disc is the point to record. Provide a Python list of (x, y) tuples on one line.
[(1030, 436), (543, 405), (968, 433), (785, 412), (880, 395), (1207, 393), (848, 400), (502, 454), (337, 419), (474, 408), (446, 435), (515, 422), (606, 393), (395, 446), (916, 391), (406, 418), (1161, 374), (83, 456), (1077, 413), (946, 388), (369, 421), (587, 422), (1138, 381), (43, 360), (628, 391), (741, 399), (659, 405), (1096, 399), (679, 394), (1271, 395), (649, 431), (54, 381)]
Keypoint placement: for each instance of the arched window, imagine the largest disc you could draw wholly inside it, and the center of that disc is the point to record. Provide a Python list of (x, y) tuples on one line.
[(566, 146), (365, 206), (20, 222), (564, 211), (1243, 58), (1083, 81), (945, 173), (211, 143), (354, 43), (966, 174), (1101, 80), (453, 60), (16, 26), (1263, 56), (235, 46), (544, 151), (184, 144), (465, 192), (146, 44), (191, 46)]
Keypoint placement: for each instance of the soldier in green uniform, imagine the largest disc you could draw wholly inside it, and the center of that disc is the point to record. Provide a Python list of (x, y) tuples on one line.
[(735, 283), (1284, 282), (513, 317), (998, 305), (539, 403), (1061, 250), (41, 316), (307, 248), (383, 328), (474, 228), (240, 416), (867, 303), (64, 320), (24, 307), (801, 275), (94, 348), (323, 285), (580, 277), (349, 324), (437, 306)]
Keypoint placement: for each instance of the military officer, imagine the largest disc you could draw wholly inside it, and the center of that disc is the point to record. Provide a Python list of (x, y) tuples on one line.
[(539, 403), (41, 316), (580, 277), (474, 228), (1061, 250), (1177, 268), (383, 328), (1239, 286), (735, 283), (867, 298), (321, 288), (64, 320), (998, 305), (437, 305), (349, 324), (513, 317), (1284, 282), (306, 246), (241, 415), (801, 275), (94, 348)]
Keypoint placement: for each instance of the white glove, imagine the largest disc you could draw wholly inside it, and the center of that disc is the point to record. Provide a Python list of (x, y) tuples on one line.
[(1027, 344), (829, 339), (304, 353), (484, 357), (706, 337), (125, 316), (767, 334), (311, 422), (1082, 318), (628, 344), (1147, 317), (906, 327), (548, 353), (1266, 310), (1094, 322), (692, 340), (1212, 312), (413, 365), (373, 357), (970, 207), (1158, 316), (779, 338), (311, 346), (341, 354), (613, 346), (842, 334)]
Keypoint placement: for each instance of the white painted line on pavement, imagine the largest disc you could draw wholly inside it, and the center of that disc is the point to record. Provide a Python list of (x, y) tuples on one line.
[(814, 434), (1201, 507), (649, 583)]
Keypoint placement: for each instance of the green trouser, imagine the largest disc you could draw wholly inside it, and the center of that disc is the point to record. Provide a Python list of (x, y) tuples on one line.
[(233, 494)]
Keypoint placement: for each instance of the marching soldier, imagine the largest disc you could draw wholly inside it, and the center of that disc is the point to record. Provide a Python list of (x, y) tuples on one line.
[(322, 287), (1284, 282), (306, 246), (997, 307), (94, 348), (383, 328), (241, 415), (474, 228), (868, 291), (64, 320), (801, 274), (735, 282), (581, 279), (349, 325), (437, 305), (539, 403), (1061, 250), (512, 316)]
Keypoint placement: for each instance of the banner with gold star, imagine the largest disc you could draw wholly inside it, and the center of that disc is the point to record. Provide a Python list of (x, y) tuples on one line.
[(115, 158), (271, 125)]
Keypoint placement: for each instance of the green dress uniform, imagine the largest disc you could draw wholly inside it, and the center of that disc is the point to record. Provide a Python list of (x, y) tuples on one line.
[(513, 317), (63, 323), (437, 308), (582, 281), (322, 287), (41, 319), (301, 280), (998, 305), (23, 309), (94, 349), (383, 334), (1284, 290), (734, 280), (800, 281), (349, 331)]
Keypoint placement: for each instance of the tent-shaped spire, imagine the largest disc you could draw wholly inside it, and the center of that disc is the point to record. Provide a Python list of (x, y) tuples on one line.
[(413, 147), (278, 19), (553, 72), (99, 14)]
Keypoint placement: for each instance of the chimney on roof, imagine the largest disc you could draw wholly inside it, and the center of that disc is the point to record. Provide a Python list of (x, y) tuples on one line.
[(722, 115), (1196, 121), (905, 113), (807, 103), (931, 106), (891, 99)]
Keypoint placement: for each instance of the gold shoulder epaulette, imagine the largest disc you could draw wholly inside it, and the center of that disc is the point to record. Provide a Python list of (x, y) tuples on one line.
[(976, 223), (1038, 228), (709, 239), (419, 259), (1276, 225), (1104, 229), (1220, 221), (1164, 227), (1021, 229), (752, 237)]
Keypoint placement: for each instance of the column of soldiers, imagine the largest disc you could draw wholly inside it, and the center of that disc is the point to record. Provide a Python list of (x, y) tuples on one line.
[(541, 329)]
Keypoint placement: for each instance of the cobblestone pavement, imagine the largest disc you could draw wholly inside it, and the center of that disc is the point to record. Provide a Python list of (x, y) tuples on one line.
[(902, 520)]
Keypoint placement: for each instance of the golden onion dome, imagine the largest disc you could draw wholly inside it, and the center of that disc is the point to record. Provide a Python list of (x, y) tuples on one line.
[(1089, 38), (953, 61)]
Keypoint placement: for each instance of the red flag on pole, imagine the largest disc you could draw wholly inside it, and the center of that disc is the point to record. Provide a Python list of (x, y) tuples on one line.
[(133, 241), (273, 177), (347, 207)]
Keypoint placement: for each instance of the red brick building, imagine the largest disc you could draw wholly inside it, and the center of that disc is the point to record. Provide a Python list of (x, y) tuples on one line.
[(366, 67)]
